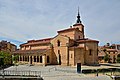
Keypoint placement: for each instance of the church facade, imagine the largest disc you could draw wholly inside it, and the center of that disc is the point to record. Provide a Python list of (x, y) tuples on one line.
[(68, 48)]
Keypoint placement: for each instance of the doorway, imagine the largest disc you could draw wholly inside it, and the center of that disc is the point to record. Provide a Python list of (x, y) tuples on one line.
[(59, 59)]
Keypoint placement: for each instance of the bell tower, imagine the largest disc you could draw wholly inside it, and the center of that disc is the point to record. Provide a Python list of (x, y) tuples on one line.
[(78, 17), (79, 24)]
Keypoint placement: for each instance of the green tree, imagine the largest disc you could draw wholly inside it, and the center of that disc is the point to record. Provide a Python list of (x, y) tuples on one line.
[(15, 58), (5, 58), (118, 58), (1, 60), (106, 57)]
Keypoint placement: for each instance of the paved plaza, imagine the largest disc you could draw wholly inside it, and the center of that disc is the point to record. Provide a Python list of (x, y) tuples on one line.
[(62, 72)]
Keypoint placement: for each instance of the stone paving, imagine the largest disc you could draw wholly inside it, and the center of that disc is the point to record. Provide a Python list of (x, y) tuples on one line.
[(61, 72)]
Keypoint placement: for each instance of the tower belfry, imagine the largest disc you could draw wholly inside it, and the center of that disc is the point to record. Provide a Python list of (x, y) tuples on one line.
[(78, 17), (79, 25)]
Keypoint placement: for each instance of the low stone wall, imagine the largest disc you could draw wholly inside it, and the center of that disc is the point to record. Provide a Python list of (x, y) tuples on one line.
[(21, 79)]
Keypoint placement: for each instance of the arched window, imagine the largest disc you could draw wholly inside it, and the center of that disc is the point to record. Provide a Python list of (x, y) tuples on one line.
[(58, 51), (90, 52), (58, 43), (71, 55)]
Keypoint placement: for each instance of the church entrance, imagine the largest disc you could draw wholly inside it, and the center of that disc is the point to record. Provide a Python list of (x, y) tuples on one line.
[(59, 59)]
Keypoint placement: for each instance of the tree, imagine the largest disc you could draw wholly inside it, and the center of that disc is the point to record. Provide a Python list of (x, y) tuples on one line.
[(106, 57), (118, 58), (1, 60), (15, 58), (5, 58)]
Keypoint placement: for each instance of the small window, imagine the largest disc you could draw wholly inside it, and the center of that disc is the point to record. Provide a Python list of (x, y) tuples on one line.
[(90, 52), (78, 37), (58, 42), (71, 55), (40, 59), (48, 59), (58, 51)]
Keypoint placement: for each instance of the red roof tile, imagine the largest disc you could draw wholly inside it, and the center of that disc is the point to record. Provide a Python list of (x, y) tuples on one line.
[(69, 29), (111, 50), (77, 47), (77, 24), (101, 54), (87, 40), (35, 42), (30, 51)]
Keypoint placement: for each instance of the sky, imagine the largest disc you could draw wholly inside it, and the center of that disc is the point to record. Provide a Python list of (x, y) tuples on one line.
[(23, 20)]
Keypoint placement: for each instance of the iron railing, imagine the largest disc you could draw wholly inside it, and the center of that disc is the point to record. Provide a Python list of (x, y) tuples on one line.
[(19, 73)]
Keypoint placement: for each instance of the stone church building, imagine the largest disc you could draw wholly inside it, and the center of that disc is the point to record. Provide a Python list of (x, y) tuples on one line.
[(68, 48)]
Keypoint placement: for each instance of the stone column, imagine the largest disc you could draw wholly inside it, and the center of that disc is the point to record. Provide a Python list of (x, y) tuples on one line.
[(19, 58), (30, 60), (22, 58), (33, 59), (44, 59), (36, 59)]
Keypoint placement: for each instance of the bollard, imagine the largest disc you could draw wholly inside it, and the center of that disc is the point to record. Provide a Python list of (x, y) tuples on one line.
[(78, 67)]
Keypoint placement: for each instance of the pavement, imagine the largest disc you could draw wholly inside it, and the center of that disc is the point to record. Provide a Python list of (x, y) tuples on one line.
[(64, 72)]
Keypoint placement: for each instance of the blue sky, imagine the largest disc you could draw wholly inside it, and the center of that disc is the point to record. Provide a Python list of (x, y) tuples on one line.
[(22, 20)]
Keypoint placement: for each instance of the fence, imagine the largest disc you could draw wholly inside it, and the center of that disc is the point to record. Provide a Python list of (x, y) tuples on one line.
[(20, 73)]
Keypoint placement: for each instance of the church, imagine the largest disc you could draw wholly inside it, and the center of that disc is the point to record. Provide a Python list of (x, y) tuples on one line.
[(67, 48)]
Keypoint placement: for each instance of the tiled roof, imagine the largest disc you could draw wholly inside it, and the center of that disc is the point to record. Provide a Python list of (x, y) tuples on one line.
[(115, 45), (101, 54), (77, 24), (77, 47), (35, 42), (40, 40), (30, 51), (69, 29), (111, 50), (86, 40)]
